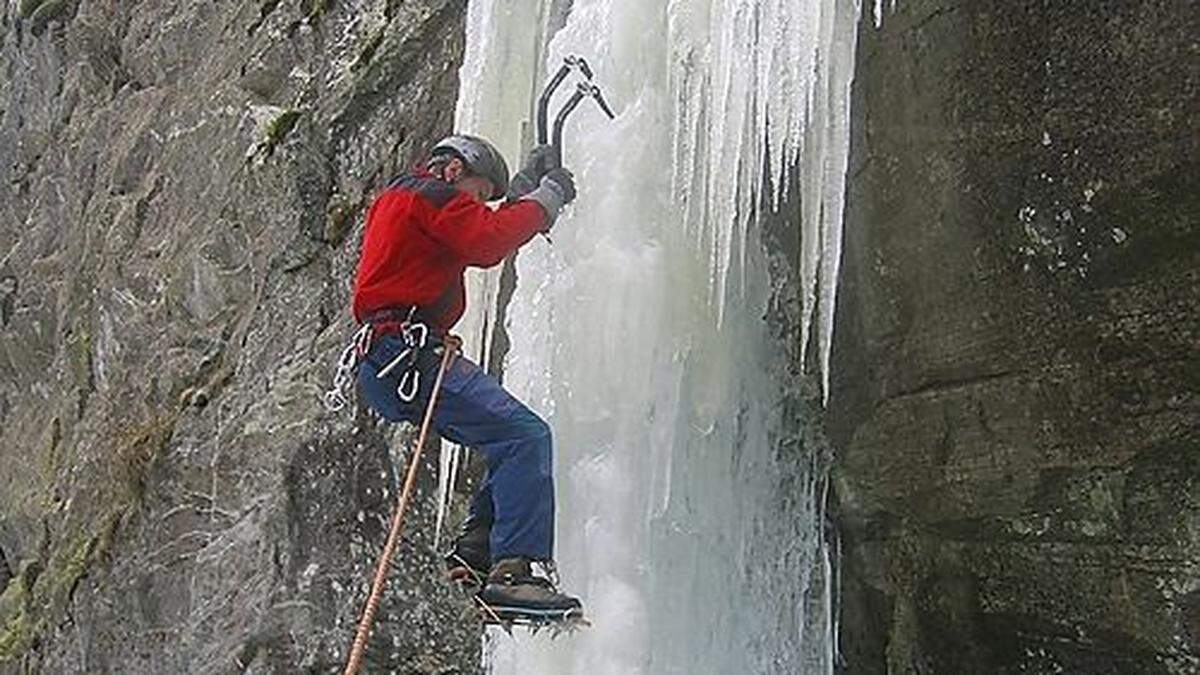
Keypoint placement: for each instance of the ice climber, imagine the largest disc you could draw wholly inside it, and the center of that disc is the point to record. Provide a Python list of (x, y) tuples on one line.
[(421, 234)]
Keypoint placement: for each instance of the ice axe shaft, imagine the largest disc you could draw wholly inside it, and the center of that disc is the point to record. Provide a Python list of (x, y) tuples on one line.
[(544, 103), (561, 119)]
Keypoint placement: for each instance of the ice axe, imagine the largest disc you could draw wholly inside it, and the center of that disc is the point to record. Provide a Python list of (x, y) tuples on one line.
[(585, 89)]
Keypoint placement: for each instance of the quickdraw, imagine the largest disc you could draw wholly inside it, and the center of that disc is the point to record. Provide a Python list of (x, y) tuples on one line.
[(343, 379), (415, 336)]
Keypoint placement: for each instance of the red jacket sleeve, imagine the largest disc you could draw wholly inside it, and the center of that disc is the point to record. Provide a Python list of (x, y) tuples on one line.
[(481, 236)]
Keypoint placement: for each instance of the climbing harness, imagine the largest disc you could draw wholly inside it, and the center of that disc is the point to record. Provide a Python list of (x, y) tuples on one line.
[(450, 347), (416, 337)]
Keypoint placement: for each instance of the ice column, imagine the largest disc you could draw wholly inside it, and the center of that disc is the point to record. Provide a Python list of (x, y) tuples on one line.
[(690, 499)]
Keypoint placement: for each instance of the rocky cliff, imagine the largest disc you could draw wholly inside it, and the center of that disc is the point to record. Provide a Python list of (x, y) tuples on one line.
[(1016, 398), (182, 183)]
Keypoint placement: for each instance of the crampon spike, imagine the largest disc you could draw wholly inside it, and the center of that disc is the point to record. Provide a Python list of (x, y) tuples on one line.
[(569, 622)]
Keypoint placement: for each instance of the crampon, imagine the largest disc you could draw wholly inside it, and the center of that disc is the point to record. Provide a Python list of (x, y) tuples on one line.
[(556, 622)]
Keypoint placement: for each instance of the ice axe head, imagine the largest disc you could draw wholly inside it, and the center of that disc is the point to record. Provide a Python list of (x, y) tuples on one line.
[(585, 89), (580, 63), (569, 63)]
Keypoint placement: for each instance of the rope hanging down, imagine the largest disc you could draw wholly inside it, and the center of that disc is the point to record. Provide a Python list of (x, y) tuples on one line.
[(359, 648)]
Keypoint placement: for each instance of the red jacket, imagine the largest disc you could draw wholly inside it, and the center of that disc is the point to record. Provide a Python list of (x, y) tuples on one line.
[(421, 235)]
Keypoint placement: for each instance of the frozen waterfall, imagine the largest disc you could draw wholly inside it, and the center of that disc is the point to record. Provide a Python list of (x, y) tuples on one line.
[(690, 501)]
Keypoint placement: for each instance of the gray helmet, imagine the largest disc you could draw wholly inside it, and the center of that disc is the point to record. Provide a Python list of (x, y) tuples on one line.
[(481, 157)]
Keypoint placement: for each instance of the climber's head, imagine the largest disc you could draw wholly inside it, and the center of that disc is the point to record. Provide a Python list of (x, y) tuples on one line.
[(471, 164)]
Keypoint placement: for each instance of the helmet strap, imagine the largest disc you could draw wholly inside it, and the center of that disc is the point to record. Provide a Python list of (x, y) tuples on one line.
[(437, 165)]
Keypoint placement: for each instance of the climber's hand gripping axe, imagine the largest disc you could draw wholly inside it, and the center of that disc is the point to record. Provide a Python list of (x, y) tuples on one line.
[(585, 89)]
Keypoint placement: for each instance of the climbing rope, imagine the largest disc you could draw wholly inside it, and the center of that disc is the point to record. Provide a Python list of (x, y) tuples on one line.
[(358, 649)]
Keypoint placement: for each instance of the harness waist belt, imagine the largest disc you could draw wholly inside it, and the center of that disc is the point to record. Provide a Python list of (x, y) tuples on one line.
[(393, 319)]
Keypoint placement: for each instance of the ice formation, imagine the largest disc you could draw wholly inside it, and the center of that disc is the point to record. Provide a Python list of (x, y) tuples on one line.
[(690, 511)]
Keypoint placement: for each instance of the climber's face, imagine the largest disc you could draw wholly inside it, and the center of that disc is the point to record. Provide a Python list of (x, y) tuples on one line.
[(456, 174)]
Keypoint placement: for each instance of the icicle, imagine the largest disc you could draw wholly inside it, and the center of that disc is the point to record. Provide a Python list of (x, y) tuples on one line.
[(879, 10), (449, 465), (841, 46), (445, 488)]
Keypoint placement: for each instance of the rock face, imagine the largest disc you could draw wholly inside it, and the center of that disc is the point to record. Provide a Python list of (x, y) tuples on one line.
[(182, 186), (1016, 403)]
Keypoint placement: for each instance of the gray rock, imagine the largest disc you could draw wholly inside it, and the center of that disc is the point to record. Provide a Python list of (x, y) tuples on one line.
[(184, 185), (1016, 402)]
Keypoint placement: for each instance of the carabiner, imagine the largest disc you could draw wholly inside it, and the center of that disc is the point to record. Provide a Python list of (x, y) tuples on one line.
[(413, 328), (410, 384)]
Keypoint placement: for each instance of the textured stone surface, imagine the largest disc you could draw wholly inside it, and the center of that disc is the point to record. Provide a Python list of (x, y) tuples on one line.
[(1016, 402), (182, 186)]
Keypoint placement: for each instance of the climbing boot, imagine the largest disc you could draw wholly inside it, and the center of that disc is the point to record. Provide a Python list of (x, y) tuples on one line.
[(468, 559), (512, 591)]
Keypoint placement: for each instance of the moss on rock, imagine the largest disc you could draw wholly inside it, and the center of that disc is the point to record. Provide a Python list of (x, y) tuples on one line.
[(273, 124), (369, 49), (28, 7), (41, 12), (16, 637), (315, 9), (17, 629), (280, 127), (44, 587)]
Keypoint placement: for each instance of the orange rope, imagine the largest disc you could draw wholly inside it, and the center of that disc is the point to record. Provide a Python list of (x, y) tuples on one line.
[(359, 648)]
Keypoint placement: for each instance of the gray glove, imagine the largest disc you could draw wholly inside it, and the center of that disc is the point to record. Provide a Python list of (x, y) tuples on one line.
[(537, 163), (556, 190)]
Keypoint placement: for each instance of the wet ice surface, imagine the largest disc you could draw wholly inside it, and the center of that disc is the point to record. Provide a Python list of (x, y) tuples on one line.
[(639, 333)]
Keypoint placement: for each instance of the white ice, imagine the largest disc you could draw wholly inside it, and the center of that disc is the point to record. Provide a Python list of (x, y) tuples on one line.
[(689, 514)]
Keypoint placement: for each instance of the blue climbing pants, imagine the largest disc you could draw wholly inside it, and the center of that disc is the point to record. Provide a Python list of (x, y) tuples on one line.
[(517, 496)]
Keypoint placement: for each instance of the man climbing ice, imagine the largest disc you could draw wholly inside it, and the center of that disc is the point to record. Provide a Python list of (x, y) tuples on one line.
[(421, 234)]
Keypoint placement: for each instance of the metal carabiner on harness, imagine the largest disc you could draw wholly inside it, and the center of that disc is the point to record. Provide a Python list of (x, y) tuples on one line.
[(410, 384)]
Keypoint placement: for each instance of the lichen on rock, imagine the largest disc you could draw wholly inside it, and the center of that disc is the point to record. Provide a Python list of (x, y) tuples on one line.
[(271, 128), (41, 12), (18, 630)]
